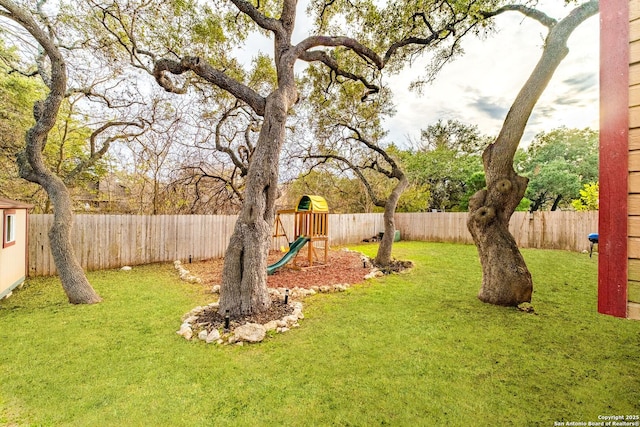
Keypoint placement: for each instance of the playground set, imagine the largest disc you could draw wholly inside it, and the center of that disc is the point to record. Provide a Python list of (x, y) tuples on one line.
[(311, 223)]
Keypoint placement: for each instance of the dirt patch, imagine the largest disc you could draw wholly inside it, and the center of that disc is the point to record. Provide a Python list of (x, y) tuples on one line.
[(341, 267), (397, 266)]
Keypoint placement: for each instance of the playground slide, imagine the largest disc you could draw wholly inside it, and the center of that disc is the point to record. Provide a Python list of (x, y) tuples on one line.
[(294, 248)]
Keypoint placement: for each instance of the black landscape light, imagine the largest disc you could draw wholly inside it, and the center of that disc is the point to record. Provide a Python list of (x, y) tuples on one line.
[(286, 297), (189, 259), (226, 321)]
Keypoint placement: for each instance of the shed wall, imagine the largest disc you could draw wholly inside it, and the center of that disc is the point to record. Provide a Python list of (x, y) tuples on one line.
[(13, 258)]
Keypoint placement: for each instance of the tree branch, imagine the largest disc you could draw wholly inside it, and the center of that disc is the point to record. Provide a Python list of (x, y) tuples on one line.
[(244, 169), (211, 75), (89, 93), (323, 57), (434, 35), (256, 16), (228, 182), (393, 173), (536, 14), (502, 151), (97, 154), (302, 51), (349, 43), (128, 43), (357, 170)]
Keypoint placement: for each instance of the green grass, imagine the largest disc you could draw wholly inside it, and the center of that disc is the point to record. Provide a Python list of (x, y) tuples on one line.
[(405, 350)]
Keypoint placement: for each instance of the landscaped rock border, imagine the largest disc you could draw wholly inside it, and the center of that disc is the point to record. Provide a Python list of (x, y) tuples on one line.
[(251, 332), (185, 274), (254, 332)]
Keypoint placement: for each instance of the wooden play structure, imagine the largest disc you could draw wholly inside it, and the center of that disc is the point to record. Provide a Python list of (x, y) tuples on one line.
[(311, 226)]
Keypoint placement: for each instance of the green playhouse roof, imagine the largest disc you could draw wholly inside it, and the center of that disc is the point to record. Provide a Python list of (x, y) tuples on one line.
[(313, 204)]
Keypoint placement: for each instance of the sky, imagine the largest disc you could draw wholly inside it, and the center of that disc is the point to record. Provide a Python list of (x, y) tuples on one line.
[(479, 87)]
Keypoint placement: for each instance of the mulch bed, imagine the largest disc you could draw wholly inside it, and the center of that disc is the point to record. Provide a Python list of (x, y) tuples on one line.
[(341, 267)]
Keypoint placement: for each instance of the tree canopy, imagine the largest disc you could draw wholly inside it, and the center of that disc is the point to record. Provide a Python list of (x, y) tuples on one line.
[(447, 161), (558, 163)]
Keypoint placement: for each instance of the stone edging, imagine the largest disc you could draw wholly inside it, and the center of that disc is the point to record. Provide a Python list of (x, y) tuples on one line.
[(249, 332), (185, 274), (254, 332)]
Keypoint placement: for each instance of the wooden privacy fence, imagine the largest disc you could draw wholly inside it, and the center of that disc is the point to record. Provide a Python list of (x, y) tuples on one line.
[(565, 230), (112, 241)]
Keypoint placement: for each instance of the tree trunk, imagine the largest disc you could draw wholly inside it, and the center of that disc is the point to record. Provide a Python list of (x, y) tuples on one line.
[(383, 257), (505, 277), (74, 281), (537, 202), (244, 275), (556, 202), (32, 168)]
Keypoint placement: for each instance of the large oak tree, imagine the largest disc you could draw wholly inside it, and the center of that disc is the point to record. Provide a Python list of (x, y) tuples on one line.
[(52, 69), (243, 288), (505, 277)]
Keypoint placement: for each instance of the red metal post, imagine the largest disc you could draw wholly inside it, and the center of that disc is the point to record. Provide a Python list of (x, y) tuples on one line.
[(614, 155)]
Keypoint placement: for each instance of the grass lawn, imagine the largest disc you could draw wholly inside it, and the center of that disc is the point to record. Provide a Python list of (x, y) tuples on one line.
[(405, 350)]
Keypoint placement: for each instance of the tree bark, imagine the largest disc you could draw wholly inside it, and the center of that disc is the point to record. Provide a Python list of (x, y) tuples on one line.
[(74, 281), (32, 167), (505, 277), (383, 257), (244, 276)]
